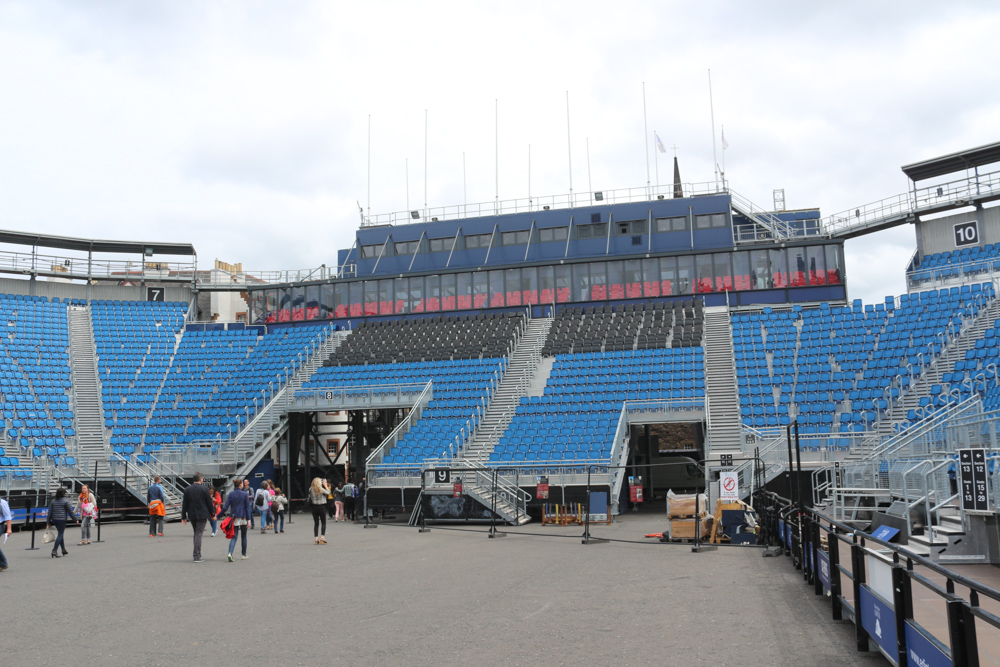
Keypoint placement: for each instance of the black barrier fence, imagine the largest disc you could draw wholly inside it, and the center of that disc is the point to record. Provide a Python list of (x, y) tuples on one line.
[(686, 518), (640, 522), (871, 582)]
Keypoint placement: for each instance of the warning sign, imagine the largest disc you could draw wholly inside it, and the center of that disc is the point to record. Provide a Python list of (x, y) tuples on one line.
[(729, 487)]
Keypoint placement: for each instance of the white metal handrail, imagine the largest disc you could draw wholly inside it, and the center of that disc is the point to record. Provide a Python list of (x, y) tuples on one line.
[(403, 427)]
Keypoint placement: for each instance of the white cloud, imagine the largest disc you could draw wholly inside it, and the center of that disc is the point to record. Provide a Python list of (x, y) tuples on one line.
[(242, 127)]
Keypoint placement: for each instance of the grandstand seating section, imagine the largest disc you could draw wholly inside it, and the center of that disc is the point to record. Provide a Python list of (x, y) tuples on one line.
[(135, 342), (955, 263), (577, 416), (630, 327), (449, 351), (156, 397), (214, 384), (459, 385), (429, 339), (35, 383), (837, 368)]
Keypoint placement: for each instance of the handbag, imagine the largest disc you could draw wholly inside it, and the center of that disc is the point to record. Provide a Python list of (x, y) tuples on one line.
[(49, 535)]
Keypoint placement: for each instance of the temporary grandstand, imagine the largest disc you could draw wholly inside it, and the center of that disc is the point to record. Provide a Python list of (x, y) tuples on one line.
[(473, 354)]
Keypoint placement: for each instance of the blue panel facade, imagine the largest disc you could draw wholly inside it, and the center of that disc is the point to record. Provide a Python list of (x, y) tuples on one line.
[(634, 252)]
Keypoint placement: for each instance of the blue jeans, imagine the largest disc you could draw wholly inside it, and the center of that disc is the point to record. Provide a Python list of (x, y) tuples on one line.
[(240, 531), (279, 515), (60, 542), (3, 559), (264, 512)]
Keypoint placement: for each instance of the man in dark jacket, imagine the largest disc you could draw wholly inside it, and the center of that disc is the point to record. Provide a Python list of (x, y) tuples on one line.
[(197, 508)]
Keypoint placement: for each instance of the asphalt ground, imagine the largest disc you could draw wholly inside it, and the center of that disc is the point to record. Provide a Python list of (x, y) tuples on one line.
[(392, 595)]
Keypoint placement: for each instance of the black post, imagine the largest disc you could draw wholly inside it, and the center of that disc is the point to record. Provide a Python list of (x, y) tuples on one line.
[(586, 520), (95, 480), (834, 544), (423, 487), (901, 602), (817, 582), (493, 505), (858, 572), (97, 521), (788, 475), (30, 514)]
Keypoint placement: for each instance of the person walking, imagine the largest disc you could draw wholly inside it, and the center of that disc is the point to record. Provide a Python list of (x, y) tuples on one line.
[(6, 518), (249, 491), (60, 513), (362, 496), (349, 491), (197, 507), (278, 503), (328, 487), (262, 503), (216, 509), (317, 502), (338, 502), (239, 508), (86, 507), (270, 507), (156, 500)]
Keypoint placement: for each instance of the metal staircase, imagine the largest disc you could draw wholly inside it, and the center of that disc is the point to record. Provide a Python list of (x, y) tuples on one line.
[(497, 492), (516, 381), (724, 425), (92, 442), (267, 428)]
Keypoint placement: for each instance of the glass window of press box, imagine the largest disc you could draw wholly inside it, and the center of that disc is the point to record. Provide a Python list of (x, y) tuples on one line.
[(742, 270)]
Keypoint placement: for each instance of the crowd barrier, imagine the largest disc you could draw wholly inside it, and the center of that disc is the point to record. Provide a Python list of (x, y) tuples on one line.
[(870, 582)]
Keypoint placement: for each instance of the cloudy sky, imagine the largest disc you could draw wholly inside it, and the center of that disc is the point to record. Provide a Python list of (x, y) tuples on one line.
[(242, 127)]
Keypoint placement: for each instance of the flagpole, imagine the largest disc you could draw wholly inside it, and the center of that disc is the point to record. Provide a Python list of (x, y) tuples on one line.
[(407, 186), (569, 151), (645, 135), (711, 109), (723, 156), (529, 177), (369, 167), (496, 152), (656, 159), (590, 184), (425, 163), (465, 196)]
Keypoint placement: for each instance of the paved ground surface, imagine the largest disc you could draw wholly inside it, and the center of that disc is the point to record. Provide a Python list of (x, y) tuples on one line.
[(394, 596)]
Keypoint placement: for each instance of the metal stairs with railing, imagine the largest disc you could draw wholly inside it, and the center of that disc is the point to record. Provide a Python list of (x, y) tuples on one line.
[(724, 423), (93, 455), (517, 379), (273, 420), (92, 442)]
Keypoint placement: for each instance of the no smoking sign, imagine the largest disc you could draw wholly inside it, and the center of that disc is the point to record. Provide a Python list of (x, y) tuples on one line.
[(729, 487)]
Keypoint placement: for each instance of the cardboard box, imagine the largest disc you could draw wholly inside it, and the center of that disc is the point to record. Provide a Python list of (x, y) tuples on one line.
[(683, 504), (683, 529)]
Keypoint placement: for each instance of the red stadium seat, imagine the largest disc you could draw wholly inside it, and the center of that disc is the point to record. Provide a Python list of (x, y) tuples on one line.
[(548, 295), (465, 302)]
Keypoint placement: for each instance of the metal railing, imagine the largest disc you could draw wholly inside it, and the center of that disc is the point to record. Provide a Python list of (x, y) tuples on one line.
[(878, 596), (932, 197), (419, 405), (959, 272), (543, 203)]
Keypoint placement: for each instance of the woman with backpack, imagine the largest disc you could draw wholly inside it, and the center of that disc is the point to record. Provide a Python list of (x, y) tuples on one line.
[(262, 504)]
